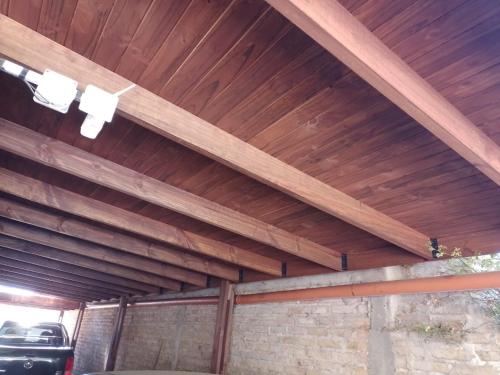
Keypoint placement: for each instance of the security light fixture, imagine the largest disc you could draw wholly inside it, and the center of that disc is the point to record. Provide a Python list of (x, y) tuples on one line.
[(100, 107), (56, 91)]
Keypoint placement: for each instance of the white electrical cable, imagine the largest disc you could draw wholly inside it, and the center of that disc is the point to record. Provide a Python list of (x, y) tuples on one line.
[(121, 92)]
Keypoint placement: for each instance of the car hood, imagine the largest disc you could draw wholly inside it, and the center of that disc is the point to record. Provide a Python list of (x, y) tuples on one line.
[(149, 372)]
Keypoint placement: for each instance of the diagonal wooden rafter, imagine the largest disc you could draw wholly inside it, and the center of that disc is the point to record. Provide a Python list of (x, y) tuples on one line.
[(85, 231), (101, 253), (43, 279), (69, 277), (131, 286), (156, 114), (38, 301), (51, 290), (32, 145), (85, 262), (59, 280), (67, 201), (339, 32)]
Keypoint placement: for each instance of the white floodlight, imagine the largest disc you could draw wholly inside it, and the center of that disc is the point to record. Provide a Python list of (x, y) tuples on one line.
[(91, 127), (100, 107), (11, 68), (55, 91)]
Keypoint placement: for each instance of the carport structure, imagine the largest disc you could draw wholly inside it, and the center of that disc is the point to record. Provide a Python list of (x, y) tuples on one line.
[(263, 140)]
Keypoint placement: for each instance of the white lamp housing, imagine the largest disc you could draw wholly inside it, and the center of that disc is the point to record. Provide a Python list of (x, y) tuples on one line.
[(100, 107), (55, 91), (12, 68), (91, 127)]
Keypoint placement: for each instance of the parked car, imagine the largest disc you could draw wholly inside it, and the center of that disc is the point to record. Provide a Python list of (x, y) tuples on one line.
[(42, 349), (149, 372)]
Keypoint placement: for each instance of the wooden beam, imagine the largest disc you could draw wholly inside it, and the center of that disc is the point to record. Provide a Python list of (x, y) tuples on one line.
[(339, 32), (105, 292), (68, 277), (116, 335), (64, 200), (82, 261), (78, 325), (38, 301), (47, 290), (32, 145), (156, 114), (74, 246), (223, 327), (85, 231), (132, 286), (36, 279)]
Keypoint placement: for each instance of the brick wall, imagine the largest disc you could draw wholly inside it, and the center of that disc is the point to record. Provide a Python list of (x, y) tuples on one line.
[(93, 341), (437, 334), (328, 337), (167, 338), (156, 337), (365, 336), (433, 334)]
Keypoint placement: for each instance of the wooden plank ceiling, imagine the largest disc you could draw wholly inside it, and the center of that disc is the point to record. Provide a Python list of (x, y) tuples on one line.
[(243, 67)]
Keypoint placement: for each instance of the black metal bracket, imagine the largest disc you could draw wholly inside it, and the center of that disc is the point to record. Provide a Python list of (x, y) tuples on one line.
[(208, 281), (344, 262), (183, 286), (435, 247), (240, 279), (284, 269)]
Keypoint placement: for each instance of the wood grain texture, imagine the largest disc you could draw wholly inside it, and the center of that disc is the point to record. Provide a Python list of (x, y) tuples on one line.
[(322, 119), (133, 287), (69, 202), (56, 281), (121, 26), (85, 231), (67, 276), (38, 302), (94, 251), (83, 261), (333, 27), (87, 24), (155, 27), (55, 18), (59, 155), (26, 12), (168, 120), (46, 288), (46, 291)]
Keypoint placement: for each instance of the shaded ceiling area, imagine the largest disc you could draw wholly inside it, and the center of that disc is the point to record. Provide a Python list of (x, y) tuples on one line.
[(243, 67)]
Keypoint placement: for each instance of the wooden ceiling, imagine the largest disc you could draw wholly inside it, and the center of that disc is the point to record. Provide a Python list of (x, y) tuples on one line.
[(246, 69)]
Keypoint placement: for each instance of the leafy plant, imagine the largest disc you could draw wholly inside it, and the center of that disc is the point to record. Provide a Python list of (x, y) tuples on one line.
[(440, 331), (489, 299)]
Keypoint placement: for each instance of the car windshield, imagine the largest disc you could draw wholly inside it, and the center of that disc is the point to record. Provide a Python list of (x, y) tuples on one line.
[(44, 335)]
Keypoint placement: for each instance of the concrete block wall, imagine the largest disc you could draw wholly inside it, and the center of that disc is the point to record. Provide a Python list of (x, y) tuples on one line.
[(376, 336), (431, 334), (154, 337), (435, 334), (93, 341), (167, 338), (327, 337)]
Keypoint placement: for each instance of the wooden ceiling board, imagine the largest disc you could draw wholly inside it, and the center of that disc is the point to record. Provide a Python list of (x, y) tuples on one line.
[(55, 18), (4, 6), (155, 27), (87, 25), (192, 27), (241, 66), (247, 51), (219, 39), (26, 12)]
